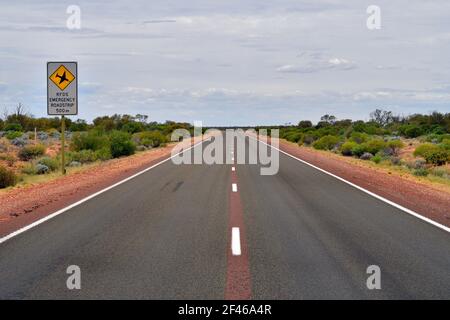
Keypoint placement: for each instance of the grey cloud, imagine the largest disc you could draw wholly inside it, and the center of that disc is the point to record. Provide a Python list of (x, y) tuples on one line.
[(227, 61), (159, 21)]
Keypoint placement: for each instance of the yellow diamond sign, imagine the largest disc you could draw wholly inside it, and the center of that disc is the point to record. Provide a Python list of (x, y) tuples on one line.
[(62, 77)]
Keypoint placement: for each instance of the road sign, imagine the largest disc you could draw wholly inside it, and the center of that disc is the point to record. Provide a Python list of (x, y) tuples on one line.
[(62, 88)]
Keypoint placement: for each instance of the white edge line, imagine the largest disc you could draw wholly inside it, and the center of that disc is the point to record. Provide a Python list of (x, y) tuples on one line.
[(234, 187), (411, 212), (51, 216), (235, 241)]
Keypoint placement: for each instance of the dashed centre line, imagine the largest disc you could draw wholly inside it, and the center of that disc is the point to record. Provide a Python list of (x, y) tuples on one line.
[(238, 283), (235, 241)]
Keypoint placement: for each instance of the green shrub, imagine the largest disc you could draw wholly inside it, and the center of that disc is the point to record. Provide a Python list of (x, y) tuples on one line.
[(31, 151), (150, 138), (294, 137), (437, 137), (425, 148), (422, 172), (358, 150), (10, 135), (92, 140), (132, 127), (103, 154), (7, 177), (411, 131), (445, 144), (121, 144), (347, 147), (374, 146), (438, 172), (308, 139), (438, 157), (29, 169), (83, 156), (13, 127), (326, 142), (51, 163), (395, 146), (359, 137), (376, 158)]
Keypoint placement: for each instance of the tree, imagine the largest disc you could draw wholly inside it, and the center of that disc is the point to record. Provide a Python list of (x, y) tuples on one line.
[(142, 118), (382, 117), (19, 116), (305, 124), (328, 119)]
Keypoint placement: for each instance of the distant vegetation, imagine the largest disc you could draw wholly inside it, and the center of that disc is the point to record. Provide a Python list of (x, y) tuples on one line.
[(23, 153), (381, 139)]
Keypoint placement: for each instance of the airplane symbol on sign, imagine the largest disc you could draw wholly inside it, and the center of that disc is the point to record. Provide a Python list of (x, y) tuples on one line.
[(62, 78)]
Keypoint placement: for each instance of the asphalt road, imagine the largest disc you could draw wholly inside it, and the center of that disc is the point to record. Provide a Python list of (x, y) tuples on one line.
[(166, 235)]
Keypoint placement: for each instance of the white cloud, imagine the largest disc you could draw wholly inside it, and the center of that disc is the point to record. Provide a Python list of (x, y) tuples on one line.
[(229, 60)]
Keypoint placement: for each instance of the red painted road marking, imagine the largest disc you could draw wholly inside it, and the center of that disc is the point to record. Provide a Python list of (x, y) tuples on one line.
[(238, 286)]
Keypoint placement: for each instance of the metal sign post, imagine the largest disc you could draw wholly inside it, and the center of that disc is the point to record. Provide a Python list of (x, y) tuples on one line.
[(62, 96)]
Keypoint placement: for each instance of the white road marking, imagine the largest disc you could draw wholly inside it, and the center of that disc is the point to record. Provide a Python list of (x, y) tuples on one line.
[(57, 213), (234, 187), (411, 212), (233, 169), (235, 241)]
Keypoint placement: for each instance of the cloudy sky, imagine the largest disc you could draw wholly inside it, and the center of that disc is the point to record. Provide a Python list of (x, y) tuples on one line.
[(232, 62)]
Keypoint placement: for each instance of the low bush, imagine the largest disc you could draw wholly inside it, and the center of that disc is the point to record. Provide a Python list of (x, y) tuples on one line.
[(42, 169), (438, 172), (358, 150), (150, 138), (51, 163), (103, 154), (13, 127), (359, 137), (425, 148), (376, 158), (83, 156), (411, 131), (294, 137), (366, 156), (445, 144), (326, 142), (92, 140), (7, 177), (121, 144), (438, 157), (29, 169), (421, 172), (347, 147), (374, 146), (10, 135), (395, 146), (31, 151)]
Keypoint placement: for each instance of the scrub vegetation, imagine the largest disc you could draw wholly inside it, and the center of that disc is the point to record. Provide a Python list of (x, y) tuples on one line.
[(32, 146), (419, 143)]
